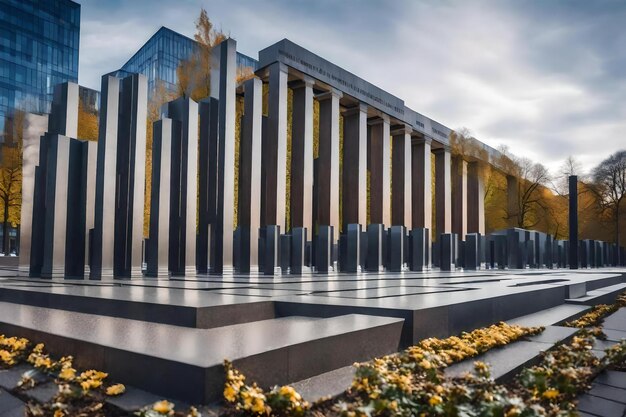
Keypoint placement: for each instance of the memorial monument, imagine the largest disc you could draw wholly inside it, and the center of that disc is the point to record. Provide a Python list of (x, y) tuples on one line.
[(86, 217)]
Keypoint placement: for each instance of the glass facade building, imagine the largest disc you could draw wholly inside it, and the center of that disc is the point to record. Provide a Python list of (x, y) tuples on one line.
[(38, 49), (159, 57)]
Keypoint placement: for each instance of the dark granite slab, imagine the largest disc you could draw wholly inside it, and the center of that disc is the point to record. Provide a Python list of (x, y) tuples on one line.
[(609, 393), (600, 407), (612, 378), (9, 404)]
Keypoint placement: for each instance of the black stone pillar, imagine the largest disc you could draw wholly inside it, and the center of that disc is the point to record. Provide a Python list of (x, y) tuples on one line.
[(573, 222)]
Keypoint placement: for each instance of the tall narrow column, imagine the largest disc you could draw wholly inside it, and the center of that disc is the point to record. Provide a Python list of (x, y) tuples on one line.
[(131, 172), (443, 191), (379, 166), (573, 222), (157, 252), (354, 191), (459, 196), (328, 162), (422, 184), (207, 179), (512, 193), (102, 260), (34, 128), (224, 71), (88, 184), (475, 199), (55, 204), (184, 195), (401, 214), (302, 155), (275, 148), (250, 176)]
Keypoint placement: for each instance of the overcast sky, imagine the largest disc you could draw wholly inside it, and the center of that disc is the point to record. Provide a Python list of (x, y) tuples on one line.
[(545, 78)]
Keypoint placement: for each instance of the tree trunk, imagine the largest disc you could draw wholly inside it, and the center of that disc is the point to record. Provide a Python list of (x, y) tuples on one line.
[(617, 233), (5, 229)]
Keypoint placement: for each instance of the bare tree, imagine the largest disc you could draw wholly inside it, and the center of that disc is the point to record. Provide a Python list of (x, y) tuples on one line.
[(609, 182)]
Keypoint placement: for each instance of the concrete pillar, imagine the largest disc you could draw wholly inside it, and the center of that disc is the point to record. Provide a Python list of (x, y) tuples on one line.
[(573, 222), (184, 185), (512, 192), (34, 128), (379, 167), (275, 148), (459, 196), (131, 171), (157, 251), (401, 214), (375, 237), (89, 169), (443, 191), (223, 73), (249, 210), (328, 175), (301, 193), (475, 199), (354, 194), (421, 184), (208, 110), (56, 151)]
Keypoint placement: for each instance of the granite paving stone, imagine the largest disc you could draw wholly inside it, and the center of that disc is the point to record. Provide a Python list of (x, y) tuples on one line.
[(10, 377), (43, 392), (551, 316), (612, 378), (135, 399), (600, 407), (609, 393), (9, 403)]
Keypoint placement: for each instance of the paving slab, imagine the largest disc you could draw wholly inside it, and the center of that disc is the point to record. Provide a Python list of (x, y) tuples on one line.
[(44, 392), (135, 399), (600, 407), (614, 335), (10, 377), (551, 316), (616, 321), (612, 378), (608, 393), (329, 384), (9, 403)]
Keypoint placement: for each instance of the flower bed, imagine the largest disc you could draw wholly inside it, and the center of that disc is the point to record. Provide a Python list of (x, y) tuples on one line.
[(598, 313)]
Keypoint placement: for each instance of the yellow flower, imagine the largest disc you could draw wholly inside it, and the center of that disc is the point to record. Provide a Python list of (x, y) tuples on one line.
[(230, 394), (67, 374), (193, 412), (435, 400), (513, 412), (425, 364), (551, 393), (59, 413), (258, 406), (116, 389), (163, 407)]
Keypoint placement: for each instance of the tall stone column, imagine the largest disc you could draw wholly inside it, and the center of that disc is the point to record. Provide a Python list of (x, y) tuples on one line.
[(223, 73), (401, 214), (573, 222), (512, 193), (421, 184), (250, 176), (443, 191), (184, 185), (459, 196), (102, 261), (207, 179), (56, 152), (131, 173), (34, 128), (275, 149), (302, 156), (157, 252), (475, 199), (88, 174), (328, 161), (354, 194), (380, 171)]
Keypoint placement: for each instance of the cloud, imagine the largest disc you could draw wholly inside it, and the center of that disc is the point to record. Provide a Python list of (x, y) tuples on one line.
[(546, 79)]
